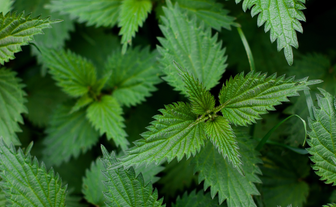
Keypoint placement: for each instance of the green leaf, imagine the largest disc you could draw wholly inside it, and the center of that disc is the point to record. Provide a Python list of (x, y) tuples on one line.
[(74, 74), (58, 34), (201, 99), (81, 102), (74, 201), (281, 18), (93, 187), (72, 172), (178, 176), (332, 197), (6, 6), (43, 97), (245, 98), (88, 39), (195, 200), (316, 66), (125, 188), (266, 56), (222, 137), (283, 178), (106, 116), (134, 75), (17, 30), (208, 11), (295, 130), (132, 15), (54, 37), (134, 127), (94, 12), (12, 105), (172, 134), (149, 172), (192, 46), (223, 177), (3, 199), (330, 205), (26, 182), (68, 135), (323, 136)]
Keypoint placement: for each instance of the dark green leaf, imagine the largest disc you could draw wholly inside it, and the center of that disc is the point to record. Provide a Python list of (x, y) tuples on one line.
[(12, 105)]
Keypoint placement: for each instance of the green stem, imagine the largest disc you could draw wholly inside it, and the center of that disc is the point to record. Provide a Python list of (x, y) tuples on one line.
[(247, 48), (294, 149), (220, 107), (270, 132)]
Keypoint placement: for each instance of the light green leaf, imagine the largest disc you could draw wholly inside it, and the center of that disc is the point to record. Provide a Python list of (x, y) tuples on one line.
[(6, 6), (208, 11), (201, 99), (223, 178), (172, 134), (132, 15), (74, 74), (94, 12), (99, 85), (12, 106), (195, 200), (17, 30), (43, 97), (125, 188), (106, 116), (323, 137), (222, 137), (81, 102), (26, 182), (134, 75), (68, 135), (245, 98), (283, 178), (281, 18), (191, 46), (93, 187)]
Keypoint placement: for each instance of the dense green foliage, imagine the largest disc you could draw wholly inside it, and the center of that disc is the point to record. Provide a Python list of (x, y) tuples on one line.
[(167, 103)]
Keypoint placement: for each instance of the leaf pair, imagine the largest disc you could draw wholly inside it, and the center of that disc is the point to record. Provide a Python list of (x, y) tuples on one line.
[(217, 128), (179, 131), (98, 102)]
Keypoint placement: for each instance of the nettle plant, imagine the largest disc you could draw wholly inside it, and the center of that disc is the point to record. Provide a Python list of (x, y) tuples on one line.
[(83, 98)]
